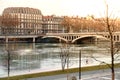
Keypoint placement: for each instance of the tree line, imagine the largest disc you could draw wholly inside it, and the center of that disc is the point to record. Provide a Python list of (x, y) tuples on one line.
[(88, 24)]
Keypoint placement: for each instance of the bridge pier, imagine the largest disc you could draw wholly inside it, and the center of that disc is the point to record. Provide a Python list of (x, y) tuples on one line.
[(96, 41), (6, 39), (33, 39)]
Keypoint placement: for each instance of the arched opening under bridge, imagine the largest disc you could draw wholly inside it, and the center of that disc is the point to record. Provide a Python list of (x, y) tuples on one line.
[(53, 39), (89, 39)]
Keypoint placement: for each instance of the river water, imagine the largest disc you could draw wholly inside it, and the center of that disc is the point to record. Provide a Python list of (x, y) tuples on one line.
[(26, 58)]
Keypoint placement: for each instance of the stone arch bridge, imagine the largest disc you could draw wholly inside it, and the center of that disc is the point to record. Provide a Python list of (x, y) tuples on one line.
[(74, 37), (66, 37)]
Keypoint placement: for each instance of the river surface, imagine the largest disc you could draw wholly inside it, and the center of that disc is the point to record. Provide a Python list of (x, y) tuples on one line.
[(26, 58)]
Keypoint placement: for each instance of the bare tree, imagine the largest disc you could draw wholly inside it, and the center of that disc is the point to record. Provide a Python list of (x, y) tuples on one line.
[(83, 24), (110, 31), (64, 56), (9, 23), (110, 25), (67, 23)]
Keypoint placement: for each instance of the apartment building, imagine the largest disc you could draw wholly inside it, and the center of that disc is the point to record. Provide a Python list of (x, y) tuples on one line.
[(53, 24), (29, 21)]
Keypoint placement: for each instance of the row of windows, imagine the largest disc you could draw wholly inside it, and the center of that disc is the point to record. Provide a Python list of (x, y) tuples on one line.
[(31, 17), (53, 31), (52, 19), (51, 22), (31, 21), (21, 15)]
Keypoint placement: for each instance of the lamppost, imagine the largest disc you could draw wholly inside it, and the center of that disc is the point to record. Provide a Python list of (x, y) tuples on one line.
[(8, 59), (8, 63)]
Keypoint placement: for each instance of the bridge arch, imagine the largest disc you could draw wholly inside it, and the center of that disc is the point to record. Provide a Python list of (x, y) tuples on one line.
[(57, 37), (90, 36)]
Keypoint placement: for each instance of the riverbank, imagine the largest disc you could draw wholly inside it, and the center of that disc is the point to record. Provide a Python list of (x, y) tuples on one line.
[(58, 72)]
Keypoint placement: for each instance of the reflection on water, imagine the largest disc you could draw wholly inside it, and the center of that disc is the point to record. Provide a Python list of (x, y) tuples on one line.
[(27, 57)]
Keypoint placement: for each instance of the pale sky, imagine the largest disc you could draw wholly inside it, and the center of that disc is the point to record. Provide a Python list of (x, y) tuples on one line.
[(65, 7)]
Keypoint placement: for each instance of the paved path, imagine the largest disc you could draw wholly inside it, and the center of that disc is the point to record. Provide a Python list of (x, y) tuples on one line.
[(89, 75)]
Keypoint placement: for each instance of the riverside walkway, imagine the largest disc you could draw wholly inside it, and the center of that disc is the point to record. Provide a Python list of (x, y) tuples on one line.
[(104, 74)]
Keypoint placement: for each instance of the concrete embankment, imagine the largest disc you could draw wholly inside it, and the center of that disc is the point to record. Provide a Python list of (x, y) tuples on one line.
[(58, 72)]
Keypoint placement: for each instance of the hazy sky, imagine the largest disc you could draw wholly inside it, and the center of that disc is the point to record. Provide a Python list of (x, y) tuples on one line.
[(65, 7)]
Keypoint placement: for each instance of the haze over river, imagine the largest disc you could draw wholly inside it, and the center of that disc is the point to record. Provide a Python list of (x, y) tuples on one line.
[(28, 58)]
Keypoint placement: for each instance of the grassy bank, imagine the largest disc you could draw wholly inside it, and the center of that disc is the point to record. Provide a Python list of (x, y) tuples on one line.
[(57, 72)]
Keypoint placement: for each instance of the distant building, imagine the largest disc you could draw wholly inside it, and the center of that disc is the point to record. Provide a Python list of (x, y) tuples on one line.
[(53, 24), (30, 21)]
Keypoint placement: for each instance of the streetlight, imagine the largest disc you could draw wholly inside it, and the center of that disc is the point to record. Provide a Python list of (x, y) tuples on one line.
[(8, 63), (8, 60)]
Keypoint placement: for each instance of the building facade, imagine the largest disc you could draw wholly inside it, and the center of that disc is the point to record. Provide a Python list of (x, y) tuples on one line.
[(29, 21), (53, 24)]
